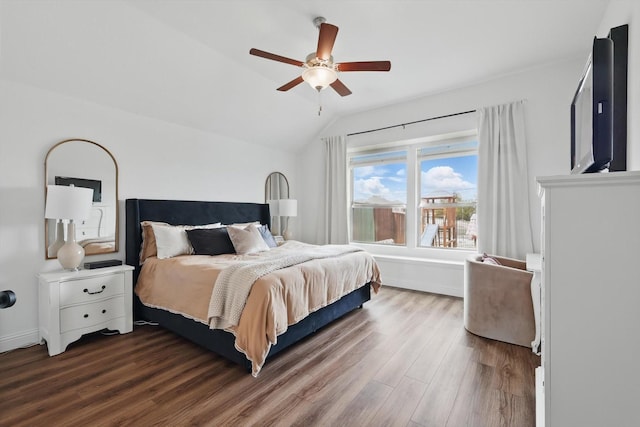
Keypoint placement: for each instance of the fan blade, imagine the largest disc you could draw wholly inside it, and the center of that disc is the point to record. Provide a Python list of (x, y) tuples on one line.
[(339, 87), (293, 83), (364, 66), (326, 39), (274, 57)]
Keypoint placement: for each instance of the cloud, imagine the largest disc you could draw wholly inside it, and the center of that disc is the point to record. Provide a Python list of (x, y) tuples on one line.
[(375, 171), (444, 179), (378, 182), (371, 187)]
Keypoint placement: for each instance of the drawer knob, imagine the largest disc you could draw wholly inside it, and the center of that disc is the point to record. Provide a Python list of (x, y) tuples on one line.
[(104, 311), (86, 315), (95, 292)]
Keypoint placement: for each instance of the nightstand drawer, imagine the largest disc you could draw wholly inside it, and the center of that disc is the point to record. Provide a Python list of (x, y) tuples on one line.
[(91, 289), (83, 316)]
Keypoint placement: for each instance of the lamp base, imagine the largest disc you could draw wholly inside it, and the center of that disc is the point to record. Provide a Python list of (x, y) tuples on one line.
[(71, 254)]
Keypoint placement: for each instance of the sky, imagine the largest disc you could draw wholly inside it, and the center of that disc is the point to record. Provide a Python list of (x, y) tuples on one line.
[(438, 177)]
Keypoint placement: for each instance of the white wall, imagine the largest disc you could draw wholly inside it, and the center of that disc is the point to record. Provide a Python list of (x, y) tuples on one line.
[(547, 90), (155, 159)]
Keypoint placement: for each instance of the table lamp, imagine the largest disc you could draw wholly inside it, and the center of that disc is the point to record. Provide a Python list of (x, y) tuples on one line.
[(68, 203), (287, 208)]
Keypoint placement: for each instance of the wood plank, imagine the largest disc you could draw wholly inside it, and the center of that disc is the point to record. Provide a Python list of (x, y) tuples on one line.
[(469, 406), (361, 412), (401, 404), (437, 345), (418, 331), (436, 403)]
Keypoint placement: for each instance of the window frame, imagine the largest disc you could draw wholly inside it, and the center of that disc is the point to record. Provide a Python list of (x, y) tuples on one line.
[(351, 189), (412, 207), (459, 151)]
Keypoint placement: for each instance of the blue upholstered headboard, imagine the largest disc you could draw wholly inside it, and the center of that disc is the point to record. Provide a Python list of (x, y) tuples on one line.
[(187, 212)]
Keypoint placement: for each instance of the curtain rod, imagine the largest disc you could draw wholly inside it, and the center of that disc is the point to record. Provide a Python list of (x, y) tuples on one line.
[(411, 123)]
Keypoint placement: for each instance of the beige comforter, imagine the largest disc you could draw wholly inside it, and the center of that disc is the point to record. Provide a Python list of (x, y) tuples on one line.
[(184, 285)]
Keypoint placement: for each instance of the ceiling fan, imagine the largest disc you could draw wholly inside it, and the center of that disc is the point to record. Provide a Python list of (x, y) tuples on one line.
[(319, 70)]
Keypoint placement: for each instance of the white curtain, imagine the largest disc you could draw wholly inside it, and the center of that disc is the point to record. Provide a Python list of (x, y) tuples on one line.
[(335, 199), (504, 222)]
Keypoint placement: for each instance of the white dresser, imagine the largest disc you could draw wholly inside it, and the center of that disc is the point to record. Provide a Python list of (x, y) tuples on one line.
[(590, 372), (73, 303)]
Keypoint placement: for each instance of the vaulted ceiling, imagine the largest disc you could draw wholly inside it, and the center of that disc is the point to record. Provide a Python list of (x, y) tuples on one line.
[(187, 61)]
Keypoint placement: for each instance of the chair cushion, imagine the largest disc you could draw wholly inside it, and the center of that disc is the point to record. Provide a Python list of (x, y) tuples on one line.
[(490, 260)]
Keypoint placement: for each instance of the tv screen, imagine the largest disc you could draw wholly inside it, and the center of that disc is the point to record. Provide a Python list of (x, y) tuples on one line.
[(592, 112), (94, 184)]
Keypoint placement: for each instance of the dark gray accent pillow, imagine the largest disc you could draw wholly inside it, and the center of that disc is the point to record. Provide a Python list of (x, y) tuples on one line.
[(211, 241), (267, 236)]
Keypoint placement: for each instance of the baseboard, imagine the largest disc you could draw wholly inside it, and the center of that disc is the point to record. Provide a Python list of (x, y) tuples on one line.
[(414, 285), (19, 340), (445, 278)]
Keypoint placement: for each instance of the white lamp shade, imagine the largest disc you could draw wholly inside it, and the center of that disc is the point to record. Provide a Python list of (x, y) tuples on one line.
[(274, 207), (288, 207), (67, 202)]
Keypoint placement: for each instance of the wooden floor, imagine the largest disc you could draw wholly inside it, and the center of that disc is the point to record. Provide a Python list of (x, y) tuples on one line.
[(403, 360)]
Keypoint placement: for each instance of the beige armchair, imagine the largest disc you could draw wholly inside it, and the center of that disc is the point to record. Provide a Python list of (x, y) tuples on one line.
[(497, 300)]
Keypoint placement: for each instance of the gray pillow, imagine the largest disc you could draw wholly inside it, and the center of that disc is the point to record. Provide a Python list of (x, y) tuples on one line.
[(267, 236), (247, 240)]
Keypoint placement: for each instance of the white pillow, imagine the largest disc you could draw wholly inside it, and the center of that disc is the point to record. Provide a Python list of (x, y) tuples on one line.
[(247, 240), (171, 240)]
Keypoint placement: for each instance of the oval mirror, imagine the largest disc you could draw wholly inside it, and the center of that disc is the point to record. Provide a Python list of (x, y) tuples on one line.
[(276, 187), (85, 163)]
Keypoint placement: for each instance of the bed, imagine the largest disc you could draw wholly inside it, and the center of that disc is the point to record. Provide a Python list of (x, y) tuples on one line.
[(221, 341), (98, 245)]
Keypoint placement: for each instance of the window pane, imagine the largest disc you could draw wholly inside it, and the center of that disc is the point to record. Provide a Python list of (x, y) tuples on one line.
[(448, 196), (379, 203)]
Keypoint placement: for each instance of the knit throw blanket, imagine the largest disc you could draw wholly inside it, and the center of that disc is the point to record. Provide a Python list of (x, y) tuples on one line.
[(234, 283)]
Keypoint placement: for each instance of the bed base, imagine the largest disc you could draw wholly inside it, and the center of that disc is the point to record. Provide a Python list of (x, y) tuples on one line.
[(216, 340), (222, 342)]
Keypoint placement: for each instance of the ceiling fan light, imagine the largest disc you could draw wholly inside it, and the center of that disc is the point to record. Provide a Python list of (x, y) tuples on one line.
[(319, 77)]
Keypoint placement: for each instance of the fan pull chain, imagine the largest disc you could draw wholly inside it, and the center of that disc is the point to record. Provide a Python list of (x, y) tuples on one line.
[(319, 102)]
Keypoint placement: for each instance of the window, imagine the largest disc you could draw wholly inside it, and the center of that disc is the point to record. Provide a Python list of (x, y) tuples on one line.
[(448, 194), (379, 195), (442, 174)]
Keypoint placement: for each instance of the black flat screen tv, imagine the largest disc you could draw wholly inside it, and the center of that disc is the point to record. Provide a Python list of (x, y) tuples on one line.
[(94, 184), (592, 112)]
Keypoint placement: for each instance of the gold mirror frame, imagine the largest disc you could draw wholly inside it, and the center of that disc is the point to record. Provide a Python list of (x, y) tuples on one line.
[(49, 226)]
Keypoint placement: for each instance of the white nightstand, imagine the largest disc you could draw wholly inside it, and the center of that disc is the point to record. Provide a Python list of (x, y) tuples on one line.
[(73, 303)]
